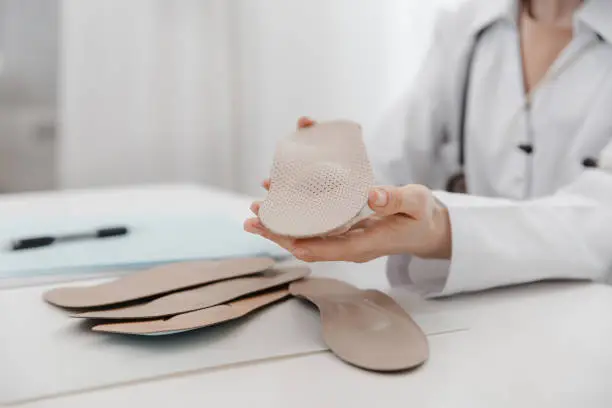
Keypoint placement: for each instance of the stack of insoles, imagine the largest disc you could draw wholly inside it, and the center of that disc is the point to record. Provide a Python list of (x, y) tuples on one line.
[(319, 186), (179, 296), (365, 328)]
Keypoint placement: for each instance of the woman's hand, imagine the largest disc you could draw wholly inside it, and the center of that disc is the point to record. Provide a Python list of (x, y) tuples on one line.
[(407, 220)]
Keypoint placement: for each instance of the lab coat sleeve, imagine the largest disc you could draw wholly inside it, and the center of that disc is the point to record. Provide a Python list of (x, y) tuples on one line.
[(404, 146), (499, 242)]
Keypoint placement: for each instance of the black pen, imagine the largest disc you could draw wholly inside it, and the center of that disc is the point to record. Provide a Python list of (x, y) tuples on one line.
[(43, 241)]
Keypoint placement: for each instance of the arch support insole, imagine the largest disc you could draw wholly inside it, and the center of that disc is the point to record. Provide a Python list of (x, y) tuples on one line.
[(319, 181), (155, 281), (203, 297), (365, 328), (197, 319)]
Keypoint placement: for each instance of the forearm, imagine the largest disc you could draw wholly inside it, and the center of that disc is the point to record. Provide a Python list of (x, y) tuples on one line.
[(497, 242)]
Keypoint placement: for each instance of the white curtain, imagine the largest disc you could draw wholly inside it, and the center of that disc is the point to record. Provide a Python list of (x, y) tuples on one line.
[(200, 90), (28, 76), (145, 92)]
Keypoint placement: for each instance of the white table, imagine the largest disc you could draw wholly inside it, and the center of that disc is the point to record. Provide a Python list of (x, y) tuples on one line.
[(544, 345)]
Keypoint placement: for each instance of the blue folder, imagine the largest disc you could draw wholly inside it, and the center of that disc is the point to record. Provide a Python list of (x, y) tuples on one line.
[(153, 240)]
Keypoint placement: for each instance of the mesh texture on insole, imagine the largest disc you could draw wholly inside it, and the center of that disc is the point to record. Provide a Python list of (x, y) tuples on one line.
[(320, 179)]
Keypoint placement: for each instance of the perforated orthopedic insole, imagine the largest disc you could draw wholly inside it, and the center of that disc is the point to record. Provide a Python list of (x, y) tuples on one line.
[(319, 181), (155, 281), (203, 297), (365, 328), (197, 319)]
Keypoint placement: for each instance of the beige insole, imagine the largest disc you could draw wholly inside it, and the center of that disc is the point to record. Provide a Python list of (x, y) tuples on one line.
[(365, 328), (319, 181), (198, 319), (155, 281), (202, 297)]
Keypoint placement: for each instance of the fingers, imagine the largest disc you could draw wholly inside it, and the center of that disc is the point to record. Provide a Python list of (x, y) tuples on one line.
[(254, 226), (354, 246), (338, 231), (366, 223), (305, 122), (255, 207), (413, 200), (266, 184)]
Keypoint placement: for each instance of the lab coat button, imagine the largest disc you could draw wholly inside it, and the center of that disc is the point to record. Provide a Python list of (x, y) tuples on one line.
[(527, 148), (589, 162)]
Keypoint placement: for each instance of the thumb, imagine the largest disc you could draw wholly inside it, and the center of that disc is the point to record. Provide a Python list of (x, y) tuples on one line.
[(413, 200)]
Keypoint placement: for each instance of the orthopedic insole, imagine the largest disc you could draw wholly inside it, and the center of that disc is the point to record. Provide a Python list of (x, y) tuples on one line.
[(197, 319), (319, 181), (155, 281), (204, 296), (365, 328)]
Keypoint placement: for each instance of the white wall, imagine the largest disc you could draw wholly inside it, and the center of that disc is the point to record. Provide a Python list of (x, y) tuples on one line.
[(324, 58), (192, 90), (144, 85), (28, 89), (28, 43)]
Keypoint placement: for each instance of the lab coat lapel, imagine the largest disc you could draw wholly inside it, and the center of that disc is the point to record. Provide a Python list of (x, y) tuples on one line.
[(597, 14)]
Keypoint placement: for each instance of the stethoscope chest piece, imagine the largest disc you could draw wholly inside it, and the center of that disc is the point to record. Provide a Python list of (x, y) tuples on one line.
[(457, 183)]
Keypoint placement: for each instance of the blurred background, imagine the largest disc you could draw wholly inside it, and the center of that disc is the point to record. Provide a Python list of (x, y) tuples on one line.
[(124, 92)]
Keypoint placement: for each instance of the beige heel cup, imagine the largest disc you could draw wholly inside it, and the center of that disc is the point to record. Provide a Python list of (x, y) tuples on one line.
[(367, 329), (202, 297), (198, 319), (320, 181), (366, 212), (155, 281)]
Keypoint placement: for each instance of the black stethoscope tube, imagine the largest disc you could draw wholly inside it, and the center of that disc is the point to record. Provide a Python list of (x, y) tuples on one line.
[(456, 183)]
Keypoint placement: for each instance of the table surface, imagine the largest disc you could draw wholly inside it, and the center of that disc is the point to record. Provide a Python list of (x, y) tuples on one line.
[(544, 345)]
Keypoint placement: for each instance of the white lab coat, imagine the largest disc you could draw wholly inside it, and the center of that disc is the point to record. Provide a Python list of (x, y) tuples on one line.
[(528, 217)]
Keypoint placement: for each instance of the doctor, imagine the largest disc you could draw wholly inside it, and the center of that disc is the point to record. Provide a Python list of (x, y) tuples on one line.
[(513, 105)]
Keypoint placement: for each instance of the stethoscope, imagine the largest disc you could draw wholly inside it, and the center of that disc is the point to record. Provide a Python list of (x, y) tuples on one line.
[(457, 182)]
